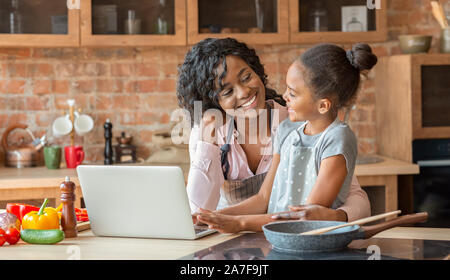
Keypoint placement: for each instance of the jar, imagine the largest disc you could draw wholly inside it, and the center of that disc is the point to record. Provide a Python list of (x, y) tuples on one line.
[(445, 40)]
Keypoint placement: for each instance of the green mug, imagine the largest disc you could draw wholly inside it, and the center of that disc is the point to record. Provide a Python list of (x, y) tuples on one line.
[(52, 157)]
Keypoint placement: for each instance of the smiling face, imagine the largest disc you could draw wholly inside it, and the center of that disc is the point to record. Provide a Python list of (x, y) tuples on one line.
[(299, 100), (241, 89)]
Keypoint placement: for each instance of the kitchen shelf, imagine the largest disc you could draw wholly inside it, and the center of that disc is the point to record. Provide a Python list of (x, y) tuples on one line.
[(97, 29), (301, 22), (58, 26), (244, 20)]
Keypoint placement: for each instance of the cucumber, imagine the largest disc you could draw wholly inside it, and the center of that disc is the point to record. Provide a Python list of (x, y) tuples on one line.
[(42, 236)]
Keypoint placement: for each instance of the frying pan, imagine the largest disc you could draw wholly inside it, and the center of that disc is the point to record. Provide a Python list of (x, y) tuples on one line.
[(285, 236)]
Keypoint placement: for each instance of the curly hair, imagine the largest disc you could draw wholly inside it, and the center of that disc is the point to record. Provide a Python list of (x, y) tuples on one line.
[(197, 75)]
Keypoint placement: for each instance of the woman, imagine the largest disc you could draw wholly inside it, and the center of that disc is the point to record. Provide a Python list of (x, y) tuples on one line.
[(229, 164)]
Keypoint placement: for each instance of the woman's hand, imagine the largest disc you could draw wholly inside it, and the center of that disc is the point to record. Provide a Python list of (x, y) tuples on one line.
[(220, 222), (311, 212)]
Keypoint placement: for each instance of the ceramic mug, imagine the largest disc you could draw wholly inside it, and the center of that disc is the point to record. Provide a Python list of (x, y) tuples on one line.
[(83, 124), (52, 157), (62, 126), (74, 156)]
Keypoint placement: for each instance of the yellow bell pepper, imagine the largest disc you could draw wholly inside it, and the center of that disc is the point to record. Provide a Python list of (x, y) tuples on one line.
[(46, 218)]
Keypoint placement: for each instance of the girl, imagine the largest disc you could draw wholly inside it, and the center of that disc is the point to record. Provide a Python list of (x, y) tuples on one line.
[(225, 74), (314, 153)]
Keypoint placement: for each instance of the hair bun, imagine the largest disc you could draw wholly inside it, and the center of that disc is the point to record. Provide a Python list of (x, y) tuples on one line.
[(361, 57)]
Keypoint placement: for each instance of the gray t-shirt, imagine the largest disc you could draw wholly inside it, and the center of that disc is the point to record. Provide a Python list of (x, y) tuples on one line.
[(339, 140)]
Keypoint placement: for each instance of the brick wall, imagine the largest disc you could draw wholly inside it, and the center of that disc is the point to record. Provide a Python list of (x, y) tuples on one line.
[(135, 87)]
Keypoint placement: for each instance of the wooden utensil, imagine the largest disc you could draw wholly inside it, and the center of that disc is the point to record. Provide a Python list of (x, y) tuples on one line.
[(438, 13), (81, 226), (357, 222)]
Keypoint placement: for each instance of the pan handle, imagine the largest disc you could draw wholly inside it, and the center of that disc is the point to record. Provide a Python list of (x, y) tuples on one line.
[(370, 231)]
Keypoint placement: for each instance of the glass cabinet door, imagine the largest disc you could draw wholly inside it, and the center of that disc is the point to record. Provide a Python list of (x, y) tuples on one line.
[(33, 17), (237, 16), (314, 21), (133, 22), (38, 23), (251, 21), (435, 95), (336, 15), (133, 17)]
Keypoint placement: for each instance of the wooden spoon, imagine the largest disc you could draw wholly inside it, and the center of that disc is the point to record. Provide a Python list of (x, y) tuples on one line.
[(438, 13), (357, 222)]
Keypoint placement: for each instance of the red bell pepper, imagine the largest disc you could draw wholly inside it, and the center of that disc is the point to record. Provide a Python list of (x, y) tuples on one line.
[(14, 208), (81, 214), (20, 209)]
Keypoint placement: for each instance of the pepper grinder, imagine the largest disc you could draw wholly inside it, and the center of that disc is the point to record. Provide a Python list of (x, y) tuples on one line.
[(108, 143), (68, 217)]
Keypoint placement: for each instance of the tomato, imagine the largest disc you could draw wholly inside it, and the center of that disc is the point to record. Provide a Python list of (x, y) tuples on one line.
[(2, 237), (12, 236)]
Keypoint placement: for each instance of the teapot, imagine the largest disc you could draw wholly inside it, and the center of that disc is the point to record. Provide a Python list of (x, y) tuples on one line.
[(22, 154)]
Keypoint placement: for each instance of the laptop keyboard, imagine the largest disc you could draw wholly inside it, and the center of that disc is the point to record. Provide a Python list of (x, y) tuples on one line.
[(199, 230)]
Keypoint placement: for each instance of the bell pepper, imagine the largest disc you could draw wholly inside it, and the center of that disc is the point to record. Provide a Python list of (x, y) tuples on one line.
[(46, 218), (20, 209), (14, 208)]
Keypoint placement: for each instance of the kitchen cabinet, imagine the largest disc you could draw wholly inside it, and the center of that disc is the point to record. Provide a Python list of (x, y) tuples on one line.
[(250, 21), (133, 22), (412, 101), (316, 21), (43, 23), (103, 23), (413, 124)]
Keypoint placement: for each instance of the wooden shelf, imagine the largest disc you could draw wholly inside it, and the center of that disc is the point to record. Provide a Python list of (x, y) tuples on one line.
[(297, 36), (279, 37), (177, 39)]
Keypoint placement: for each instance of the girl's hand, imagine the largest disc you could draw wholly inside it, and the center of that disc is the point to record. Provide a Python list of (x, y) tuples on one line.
[(220, 222), (311, 212), (195, 216)]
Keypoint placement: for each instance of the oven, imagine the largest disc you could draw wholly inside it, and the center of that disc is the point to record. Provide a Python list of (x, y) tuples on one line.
[(432, 185)]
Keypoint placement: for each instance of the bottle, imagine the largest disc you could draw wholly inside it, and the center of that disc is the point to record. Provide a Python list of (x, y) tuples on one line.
[(108, 143), (318, 18), (132, 24), (15, 18), (161, 24), (354, 25)]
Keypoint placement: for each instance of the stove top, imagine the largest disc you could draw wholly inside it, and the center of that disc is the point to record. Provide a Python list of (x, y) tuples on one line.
[(254, 246)]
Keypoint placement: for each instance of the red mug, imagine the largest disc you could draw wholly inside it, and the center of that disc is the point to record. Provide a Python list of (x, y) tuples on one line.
[(74, 156)]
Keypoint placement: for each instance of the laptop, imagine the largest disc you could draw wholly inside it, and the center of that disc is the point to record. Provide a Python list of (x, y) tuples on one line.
[(138, 201)]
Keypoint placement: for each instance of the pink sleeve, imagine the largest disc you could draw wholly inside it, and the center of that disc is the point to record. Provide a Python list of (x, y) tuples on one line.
[(357, 205), (205, 174)]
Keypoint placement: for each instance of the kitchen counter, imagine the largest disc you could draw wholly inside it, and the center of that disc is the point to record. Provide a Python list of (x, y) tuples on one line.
[(89, 246)]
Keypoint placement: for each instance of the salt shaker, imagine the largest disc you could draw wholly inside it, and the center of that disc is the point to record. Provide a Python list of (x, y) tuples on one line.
[(68, 217)]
